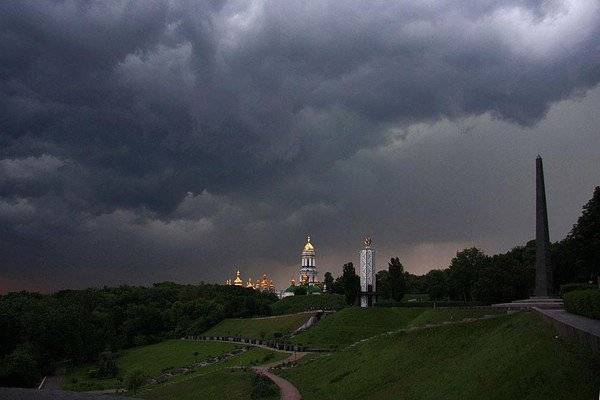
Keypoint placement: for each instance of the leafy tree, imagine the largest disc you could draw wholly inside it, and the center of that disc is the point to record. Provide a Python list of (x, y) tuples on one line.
[(396, 279), (437, 285), (504, 278), (328, 282), (19, 368), (338, 285), (464, 272), (351, 283), (583, 242), (299, 291), (414, 283), (383, 284)]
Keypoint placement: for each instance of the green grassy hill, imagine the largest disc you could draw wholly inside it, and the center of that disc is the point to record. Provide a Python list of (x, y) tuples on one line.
[(152, 360), (295, 304), (510, 357), (259, 328), (352, 324), (220, 381), (234, 385)]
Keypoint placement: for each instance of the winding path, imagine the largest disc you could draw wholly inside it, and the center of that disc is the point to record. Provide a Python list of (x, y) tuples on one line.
[(288, 391)]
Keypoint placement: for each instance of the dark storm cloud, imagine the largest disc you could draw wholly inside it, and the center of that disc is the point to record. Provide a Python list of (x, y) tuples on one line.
[(175, 138)]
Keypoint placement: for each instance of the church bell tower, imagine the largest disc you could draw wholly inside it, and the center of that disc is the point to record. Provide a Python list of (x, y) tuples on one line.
[(308, 267)]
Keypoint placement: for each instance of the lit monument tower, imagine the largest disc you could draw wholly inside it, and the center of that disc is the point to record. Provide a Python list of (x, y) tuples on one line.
[(367, 274), (543, 263)]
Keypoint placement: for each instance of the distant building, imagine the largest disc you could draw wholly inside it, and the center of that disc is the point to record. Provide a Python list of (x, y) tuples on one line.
[(238, 281), (264, 285), (307, 273), (308, 266), (290, 290)]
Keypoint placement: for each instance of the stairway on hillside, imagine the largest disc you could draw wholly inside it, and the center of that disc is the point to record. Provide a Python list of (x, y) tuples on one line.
[(547, 303)]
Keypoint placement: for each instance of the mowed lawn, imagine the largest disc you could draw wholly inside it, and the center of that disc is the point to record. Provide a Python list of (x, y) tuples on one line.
[(151, 360), (219, 385), (219, 381), (510, 357), (156, 358), (350, 325), (259, 328)]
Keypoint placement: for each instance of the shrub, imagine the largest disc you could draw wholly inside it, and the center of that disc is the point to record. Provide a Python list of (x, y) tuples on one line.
[(583, 302), (569, 287), (107, 365), (135, 380), (262, 388)]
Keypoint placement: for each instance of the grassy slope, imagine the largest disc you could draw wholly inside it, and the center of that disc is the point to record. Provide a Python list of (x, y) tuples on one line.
[(509, 357), (352, 324), (154, 359), (216, 381), (294, 304), (225, 384), (258, 328), (151, 360)]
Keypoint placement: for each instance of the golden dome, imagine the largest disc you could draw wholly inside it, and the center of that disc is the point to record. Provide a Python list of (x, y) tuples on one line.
[(250, 284), (308, 246), (238, 281), (264, 282)]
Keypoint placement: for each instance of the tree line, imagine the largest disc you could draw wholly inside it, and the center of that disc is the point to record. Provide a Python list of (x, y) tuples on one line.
[(473, 276), (42, 332)]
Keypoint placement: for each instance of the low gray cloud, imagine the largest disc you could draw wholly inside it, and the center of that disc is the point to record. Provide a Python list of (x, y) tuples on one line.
[(172, 140), (29, 167)]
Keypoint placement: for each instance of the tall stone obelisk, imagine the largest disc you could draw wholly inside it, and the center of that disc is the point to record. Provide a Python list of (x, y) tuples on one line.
[(543, 263)]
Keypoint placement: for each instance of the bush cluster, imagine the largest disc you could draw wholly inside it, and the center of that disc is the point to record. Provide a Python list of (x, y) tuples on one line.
[(569, 287), (583, 302)]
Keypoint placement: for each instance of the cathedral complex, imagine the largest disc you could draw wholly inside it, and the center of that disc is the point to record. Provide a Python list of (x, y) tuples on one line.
[(264, 285), (308, 280)]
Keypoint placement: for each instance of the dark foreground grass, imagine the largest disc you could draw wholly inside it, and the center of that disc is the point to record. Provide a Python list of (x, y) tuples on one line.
[(259, 328), (352, 324), (220, 381), (151, 360), (510, 357), (225, 384)]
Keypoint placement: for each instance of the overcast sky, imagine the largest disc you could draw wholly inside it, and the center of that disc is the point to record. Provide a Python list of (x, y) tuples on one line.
[(180, 140)]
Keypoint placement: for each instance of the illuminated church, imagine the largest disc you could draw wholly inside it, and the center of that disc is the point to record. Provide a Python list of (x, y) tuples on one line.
[(307, 273), (264, 285)]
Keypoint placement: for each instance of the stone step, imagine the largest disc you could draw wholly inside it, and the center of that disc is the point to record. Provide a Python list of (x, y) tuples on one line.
[(551, 305), (541, 300)]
